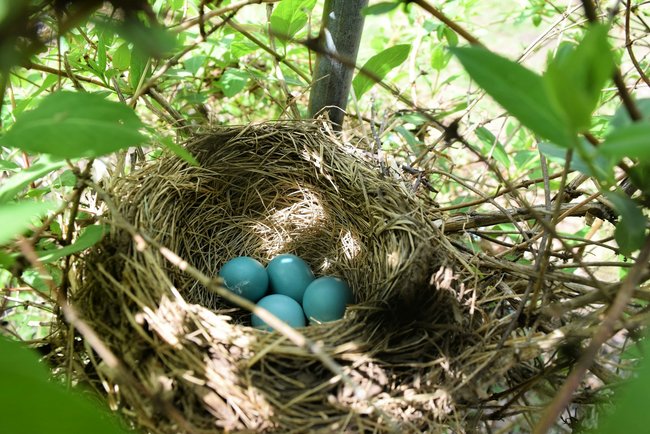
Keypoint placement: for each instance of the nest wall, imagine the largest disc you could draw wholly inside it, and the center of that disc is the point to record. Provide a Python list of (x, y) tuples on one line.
[(413, 341)]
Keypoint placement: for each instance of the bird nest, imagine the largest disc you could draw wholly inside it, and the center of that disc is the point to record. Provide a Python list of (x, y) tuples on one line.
[(419, 351)]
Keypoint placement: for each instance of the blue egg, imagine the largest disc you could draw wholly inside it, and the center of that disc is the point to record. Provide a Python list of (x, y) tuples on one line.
[(285, 308), (325, 299), (289, 275), (245, 277)]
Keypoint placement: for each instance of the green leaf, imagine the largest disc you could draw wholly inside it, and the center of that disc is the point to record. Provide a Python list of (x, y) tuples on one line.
[(413, 142), (151, 40), (122, 57), (379, 8), (631, 141), (640, 176), (378, 66), (492, 146), (233, 81), (74, 125), (8, 165), (290, 16), (139, 63), (622, 118), (18, 182), (630, 230), (30, 403), (578, 74), (450, 35), (15, 218), (101, 55), (628, 416), (587, 160), (440, 57), (179, 151), (88, 238), (523, 93)]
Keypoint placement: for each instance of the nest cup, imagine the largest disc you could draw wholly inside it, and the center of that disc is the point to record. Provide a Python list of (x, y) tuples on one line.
[(408, 342)]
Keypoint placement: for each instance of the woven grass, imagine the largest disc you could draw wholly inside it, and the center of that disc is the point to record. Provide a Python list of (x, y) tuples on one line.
[(421, 341)]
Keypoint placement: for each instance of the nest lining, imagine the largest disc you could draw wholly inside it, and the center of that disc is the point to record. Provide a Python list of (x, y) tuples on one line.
[(417, 341)]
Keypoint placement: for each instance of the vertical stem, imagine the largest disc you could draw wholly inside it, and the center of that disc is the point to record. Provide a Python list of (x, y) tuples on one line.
[(340, 35)]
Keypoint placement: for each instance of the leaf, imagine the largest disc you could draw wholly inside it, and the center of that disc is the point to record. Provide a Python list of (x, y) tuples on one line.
[(493, 147), (31, 403), (8, 165), (75, 125), (578, 74), (101, 55), (152, 40), (640, 176), (439, 57), (122, 57), (630, 230), (523, 93), (88, 238), (413, 142), (631, 141), (15, 218), (17, 183), (600, 167), (194, 63), (378, 66), (627, 416), (139, 63), (179, 151), (379, 8), (290, 16), (233, 81), (622, 118), (450, 35)]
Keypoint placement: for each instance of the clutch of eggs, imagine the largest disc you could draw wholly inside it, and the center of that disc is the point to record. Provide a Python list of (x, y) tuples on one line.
[(296, 295)]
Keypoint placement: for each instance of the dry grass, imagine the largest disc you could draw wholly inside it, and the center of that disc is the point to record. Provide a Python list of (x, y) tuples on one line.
[(423, 341)]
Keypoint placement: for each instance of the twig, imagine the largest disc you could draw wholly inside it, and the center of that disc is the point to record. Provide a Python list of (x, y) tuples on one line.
[(450, 23), (280, 58), (629, 47), (215, 13), (626, 98), (76, 198), (603, 333), (524, 184)]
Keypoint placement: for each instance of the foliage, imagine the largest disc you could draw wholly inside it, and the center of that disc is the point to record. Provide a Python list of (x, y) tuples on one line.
[(127, 81), (37, 405)]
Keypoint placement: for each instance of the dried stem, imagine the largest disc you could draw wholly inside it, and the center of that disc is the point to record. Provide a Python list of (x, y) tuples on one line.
[(603, 333)]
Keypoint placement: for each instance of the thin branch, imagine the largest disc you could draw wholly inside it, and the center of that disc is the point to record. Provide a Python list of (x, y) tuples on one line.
[(524, 184), (215, 13), (280, 58), (449, 22), (629, 45), (603, 333), (626, 98)]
